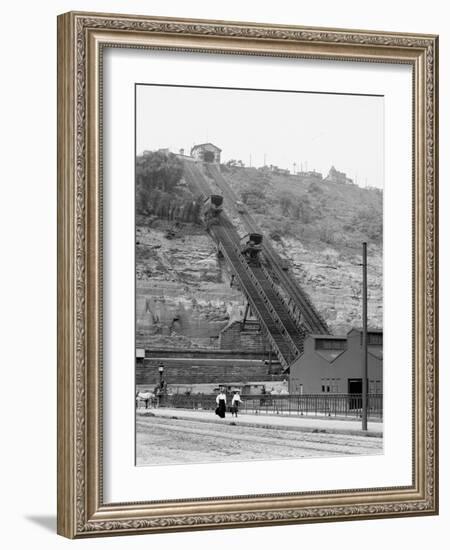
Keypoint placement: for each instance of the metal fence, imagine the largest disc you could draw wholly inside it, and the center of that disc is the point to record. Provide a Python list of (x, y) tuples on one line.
[(332, 404)]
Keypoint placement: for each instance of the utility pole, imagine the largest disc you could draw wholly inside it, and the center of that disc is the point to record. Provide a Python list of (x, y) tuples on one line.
[(364, 340)]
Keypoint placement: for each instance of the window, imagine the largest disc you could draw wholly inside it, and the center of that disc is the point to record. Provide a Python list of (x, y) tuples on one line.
[(334, 385), (330, 344), (375, 339), (375, 386)]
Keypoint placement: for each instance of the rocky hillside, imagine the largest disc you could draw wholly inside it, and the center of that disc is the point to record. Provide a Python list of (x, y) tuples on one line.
[(183, 292), (318, 227), (184, 295)]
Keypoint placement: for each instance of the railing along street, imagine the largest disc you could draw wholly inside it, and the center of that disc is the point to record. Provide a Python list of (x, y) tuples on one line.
[(321, 404)]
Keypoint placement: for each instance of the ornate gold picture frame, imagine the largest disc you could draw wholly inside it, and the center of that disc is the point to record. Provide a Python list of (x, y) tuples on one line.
[(82, 40)]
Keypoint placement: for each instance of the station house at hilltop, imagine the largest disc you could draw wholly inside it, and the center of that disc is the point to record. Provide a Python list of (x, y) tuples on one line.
[(206, 152)]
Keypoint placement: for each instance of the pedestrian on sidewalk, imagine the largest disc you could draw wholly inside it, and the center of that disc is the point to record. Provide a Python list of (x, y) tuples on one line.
[(221, 401), (235, 402)]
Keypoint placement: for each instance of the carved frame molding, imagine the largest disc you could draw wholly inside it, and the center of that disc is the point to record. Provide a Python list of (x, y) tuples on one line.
[(81, 37)]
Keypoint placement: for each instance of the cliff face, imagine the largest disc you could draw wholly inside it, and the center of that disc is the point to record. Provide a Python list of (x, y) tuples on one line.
[(183, 292), (333, 283)]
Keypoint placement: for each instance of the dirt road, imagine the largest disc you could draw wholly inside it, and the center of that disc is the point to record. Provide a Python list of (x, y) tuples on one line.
[(178, 441)]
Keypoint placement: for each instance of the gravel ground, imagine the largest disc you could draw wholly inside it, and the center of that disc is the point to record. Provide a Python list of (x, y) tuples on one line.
[(176, 441)]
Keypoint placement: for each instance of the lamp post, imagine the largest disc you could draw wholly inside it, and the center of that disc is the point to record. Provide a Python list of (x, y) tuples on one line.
[(161, 382)]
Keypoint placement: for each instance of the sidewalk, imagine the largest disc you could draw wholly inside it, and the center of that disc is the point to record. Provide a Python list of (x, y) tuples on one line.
[(297, 423)]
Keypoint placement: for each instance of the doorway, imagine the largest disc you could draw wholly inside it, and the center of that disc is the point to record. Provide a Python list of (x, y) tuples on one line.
[(354, 393), (208, 156)]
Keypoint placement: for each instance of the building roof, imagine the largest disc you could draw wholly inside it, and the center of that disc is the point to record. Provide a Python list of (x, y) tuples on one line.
[(327, 337), (344, 337), (203, 144), (369, 330), (329, 354), (376, 352)]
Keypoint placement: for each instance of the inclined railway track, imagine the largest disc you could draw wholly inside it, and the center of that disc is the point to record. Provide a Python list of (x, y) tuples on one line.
[(260, 304), (265, 288), (270, 310), (312, 319), (281, 325)]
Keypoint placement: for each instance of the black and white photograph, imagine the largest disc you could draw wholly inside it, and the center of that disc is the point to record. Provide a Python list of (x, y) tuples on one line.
[(226, 244), (258, 274)]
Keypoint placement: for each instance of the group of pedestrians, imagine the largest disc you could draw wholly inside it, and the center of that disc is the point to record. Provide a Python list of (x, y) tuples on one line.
[(221, 401)]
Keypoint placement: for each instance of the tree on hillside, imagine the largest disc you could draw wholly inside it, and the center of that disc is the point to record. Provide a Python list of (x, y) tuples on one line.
[(157, 174), (158, 170), (369, 221), (287, 201), (293, 206), (254, 197), (315, 188), (304, 210), (233, 163)]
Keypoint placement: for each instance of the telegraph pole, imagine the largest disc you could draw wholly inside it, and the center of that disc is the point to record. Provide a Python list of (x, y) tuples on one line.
[(364, 340)]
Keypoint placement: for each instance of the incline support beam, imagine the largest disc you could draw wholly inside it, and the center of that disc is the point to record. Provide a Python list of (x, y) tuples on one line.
[(247, 307)]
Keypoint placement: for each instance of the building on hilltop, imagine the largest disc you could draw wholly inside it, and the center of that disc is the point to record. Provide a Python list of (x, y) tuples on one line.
[(277, 170), (332, 364), (334, 176), (206, 152), (311, 174)]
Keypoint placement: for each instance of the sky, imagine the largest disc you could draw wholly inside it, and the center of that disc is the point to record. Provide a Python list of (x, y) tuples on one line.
[(314, 131)]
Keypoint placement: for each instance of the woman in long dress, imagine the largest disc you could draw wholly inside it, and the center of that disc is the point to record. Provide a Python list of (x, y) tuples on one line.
[(235, 402), (221, 401)]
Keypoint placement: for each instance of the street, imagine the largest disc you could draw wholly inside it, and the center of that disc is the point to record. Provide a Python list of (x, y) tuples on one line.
[(175, 440)]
